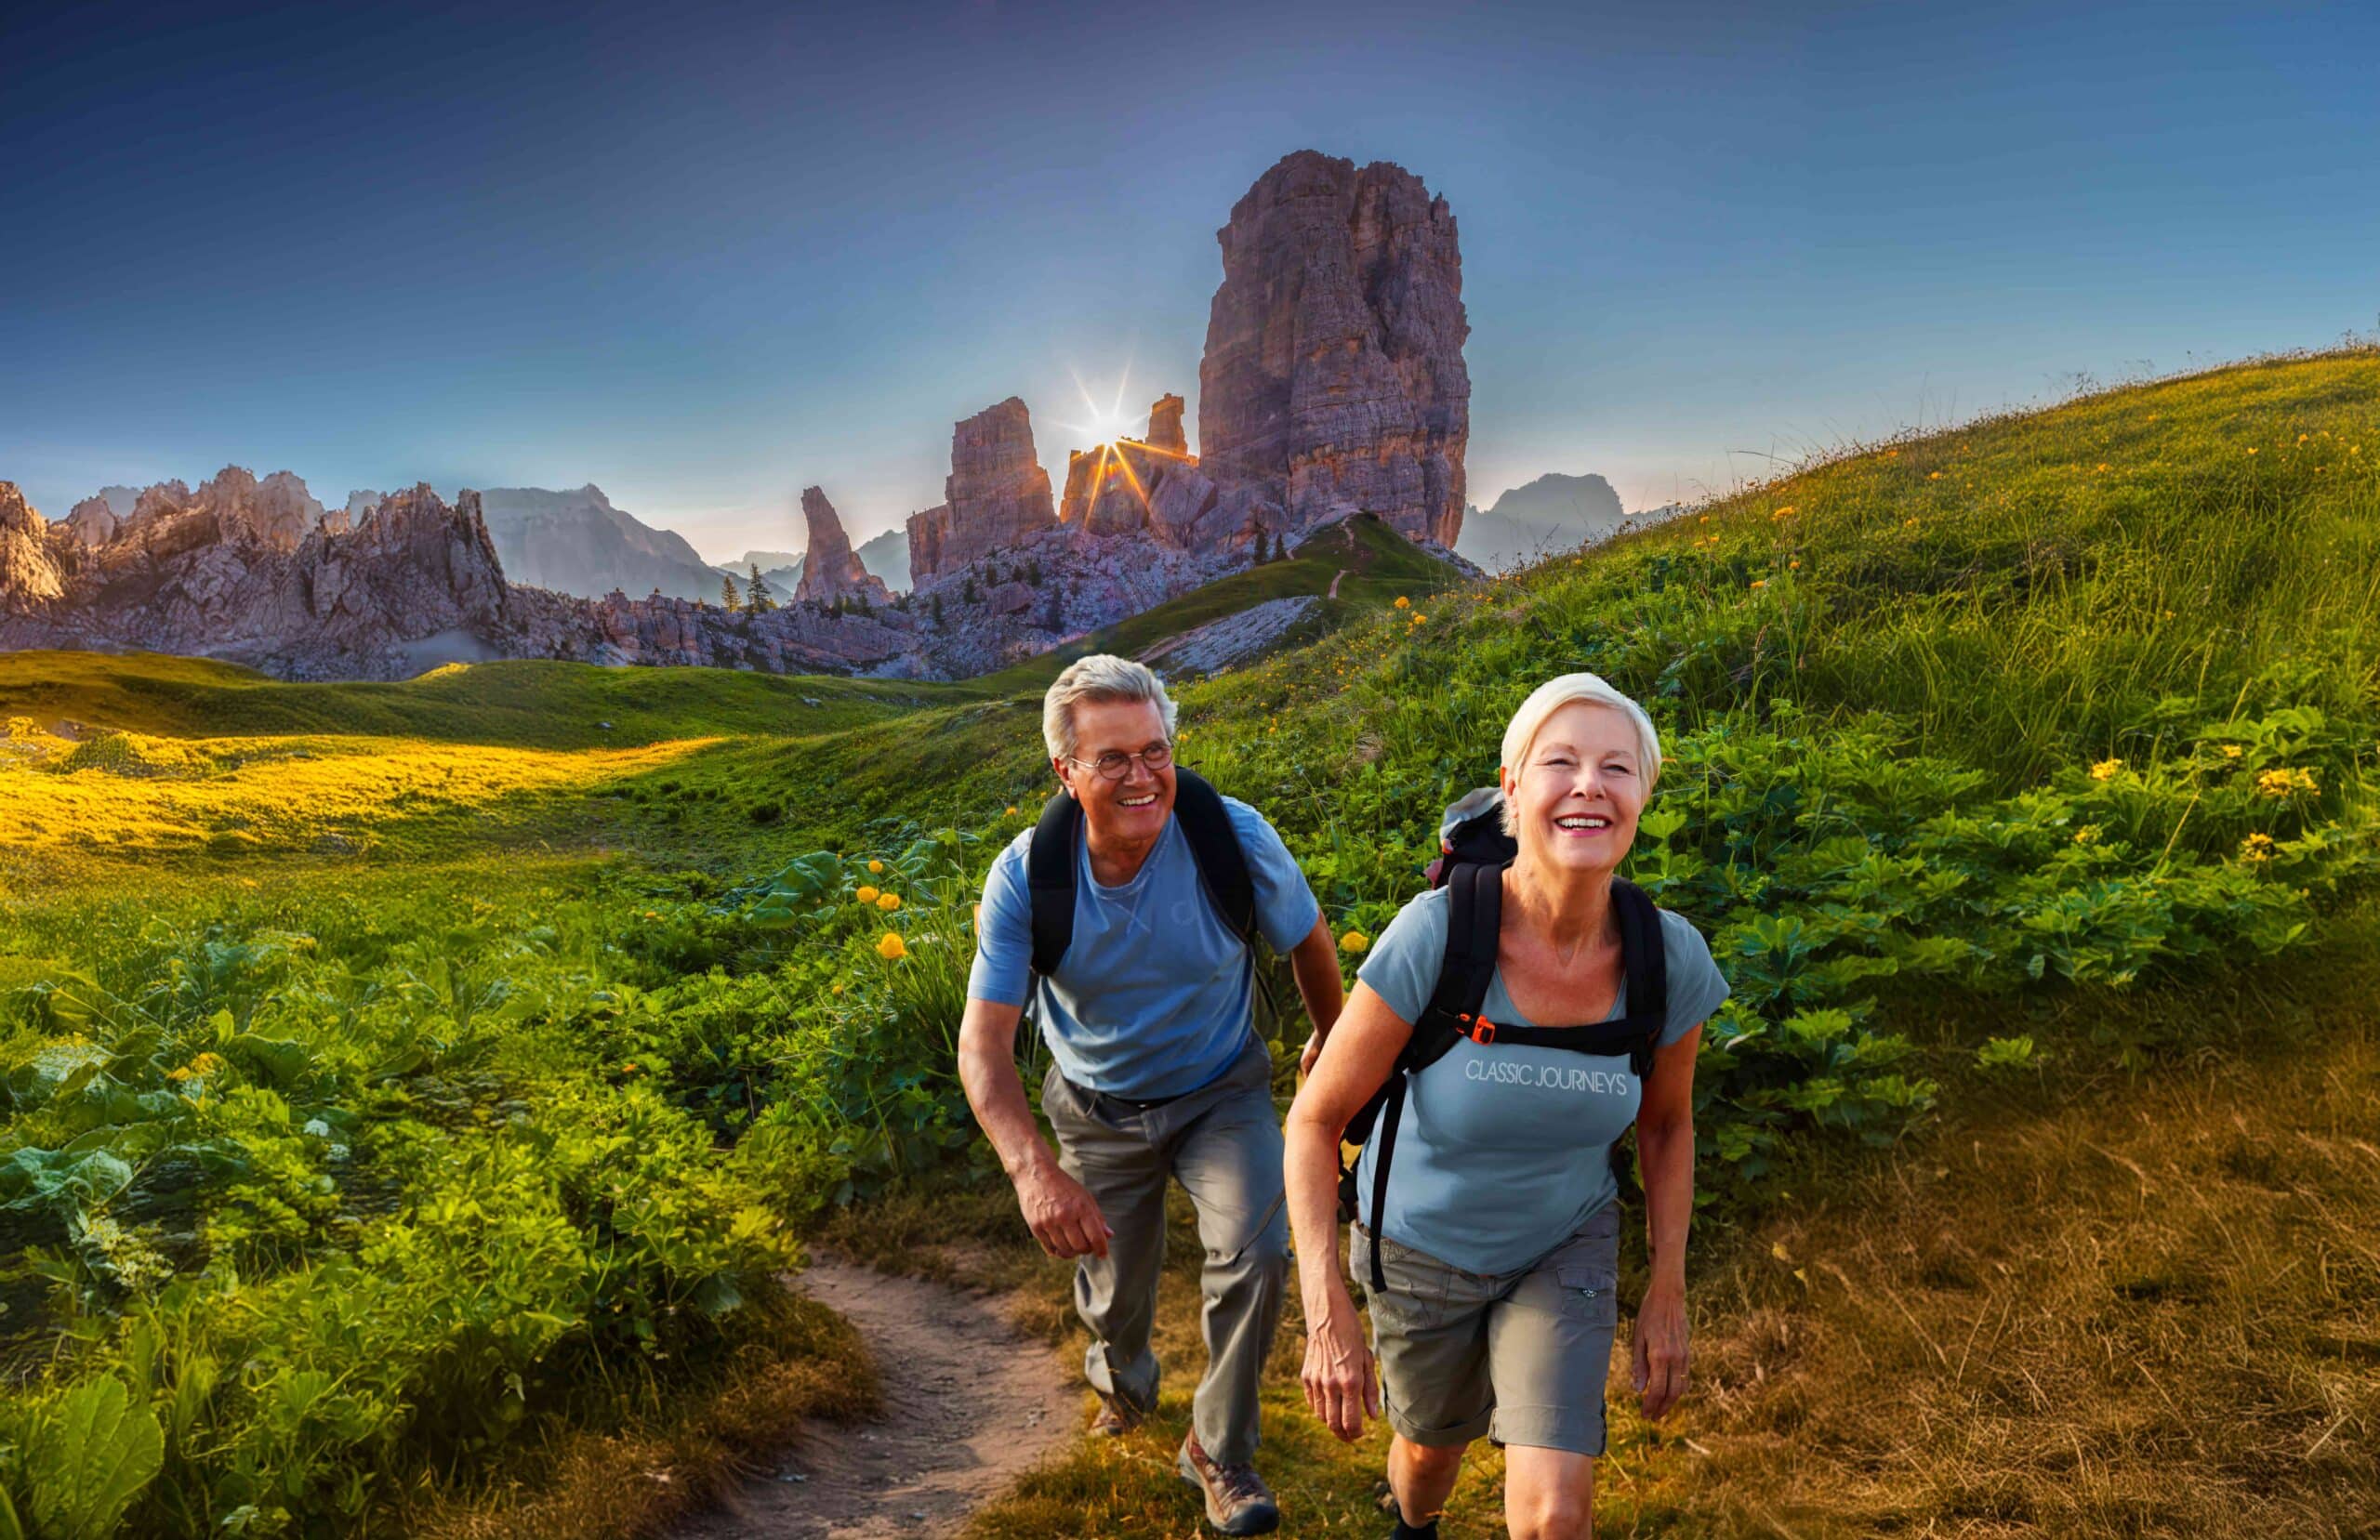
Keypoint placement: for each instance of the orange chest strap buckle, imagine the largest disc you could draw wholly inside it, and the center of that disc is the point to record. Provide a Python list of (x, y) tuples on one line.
[(1480, 1030)]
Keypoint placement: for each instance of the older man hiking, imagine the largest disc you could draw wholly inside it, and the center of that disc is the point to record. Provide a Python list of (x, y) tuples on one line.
[(1129, 915)]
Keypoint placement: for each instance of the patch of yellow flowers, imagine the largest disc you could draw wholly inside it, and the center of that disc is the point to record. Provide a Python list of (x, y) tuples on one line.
[(199, 1068), (2256, 847), (2280, 783)]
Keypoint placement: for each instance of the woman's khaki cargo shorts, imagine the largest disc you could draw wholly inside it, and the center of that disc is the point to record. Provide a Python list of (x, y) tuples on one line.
[(1522, 1357)]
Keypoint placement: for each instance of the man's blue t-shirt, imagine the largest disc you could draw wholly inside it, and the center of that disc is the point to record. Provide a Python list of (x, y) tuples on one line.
[(1155, 996), (1503, 1151)]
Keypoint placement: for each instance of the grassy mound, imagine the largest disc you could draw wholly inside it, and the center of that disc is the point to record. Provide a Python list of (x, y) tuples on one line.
[(359, 1167)]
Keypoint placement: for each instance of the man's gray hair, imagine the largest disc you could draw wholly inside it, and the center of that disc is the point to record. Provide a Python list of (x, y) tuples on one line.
[(1101, 676)]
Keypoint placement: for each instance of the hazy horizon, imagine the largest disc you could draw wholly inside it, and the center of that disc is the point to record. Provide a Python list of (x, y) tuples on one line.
[(704, 260)]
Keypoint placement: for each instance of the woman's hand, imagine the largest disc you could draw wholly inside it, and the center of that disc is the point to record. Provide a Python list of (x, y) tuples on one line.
[(1658, 1350), (1340, 1385)]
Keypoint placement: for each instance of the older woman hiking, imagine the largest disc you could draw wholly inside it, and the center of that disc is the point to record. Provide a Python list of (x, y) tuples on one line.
[(1492, 1251)]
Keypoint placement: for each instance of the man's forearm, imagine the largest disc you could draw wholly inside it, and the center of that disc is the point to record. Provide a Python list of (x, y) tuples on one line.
[(1315, 963), (987, 1071)]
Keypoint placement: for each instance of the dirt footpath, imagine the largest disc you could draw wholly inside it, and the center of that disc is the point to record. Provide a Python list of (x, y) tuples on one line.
[(969, 1406)]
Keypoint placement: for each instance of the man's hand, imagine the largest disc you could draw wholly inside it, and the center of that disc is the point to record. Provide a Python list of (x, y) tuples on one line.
[(1312, 1051), (1061, 1212)]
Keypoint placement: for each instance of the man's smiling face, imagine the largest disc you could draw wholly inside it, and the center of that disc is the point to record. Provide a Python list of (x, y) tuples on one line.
[(1133, 807)]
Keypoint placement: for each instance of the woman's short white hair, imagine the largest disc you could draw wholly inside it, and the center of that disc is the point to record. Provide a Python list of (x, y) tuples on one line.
[(1101, 676), (1521, 732)]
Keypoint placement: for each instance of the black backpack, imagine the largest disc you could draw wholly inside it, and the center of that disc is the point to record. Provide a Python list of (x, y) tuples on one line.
[(1477, 851), (1050, 866)]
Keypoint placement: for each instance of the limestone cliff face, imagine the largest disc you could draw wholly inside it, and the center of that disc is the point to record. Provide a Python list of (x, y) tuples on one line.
[(1333, 380), (830, 568), (996, 495), (29, 582)]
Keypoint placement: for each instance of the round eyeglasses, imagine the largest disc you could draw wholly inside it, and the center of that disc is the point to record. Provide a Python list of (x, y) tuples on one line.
[(1114, 765)]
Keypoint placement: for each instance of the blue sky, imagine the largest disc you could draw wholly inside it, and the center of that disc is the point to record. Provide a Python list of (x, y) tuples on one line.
[(705, 255)]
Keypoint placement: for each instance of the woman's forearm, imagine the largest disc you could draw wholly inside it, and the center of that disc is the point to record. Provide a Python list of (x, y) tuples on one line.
[(1309, 1172), (1665, 1152)]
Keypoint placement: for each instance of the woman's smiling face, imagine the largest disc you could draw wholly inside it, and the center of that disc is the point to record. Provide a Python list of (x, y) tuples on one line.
[(1578, 790)]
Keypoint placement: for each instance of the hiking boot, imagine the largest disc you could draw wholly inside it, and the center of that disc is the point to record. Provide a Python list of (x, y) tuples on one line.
[(1238, 1500), (1116, 1417)]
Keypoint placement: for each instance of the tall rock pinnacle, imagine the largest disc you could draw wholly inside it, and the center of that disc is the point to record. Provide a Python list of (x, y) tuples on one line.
[(1333, 376), (996, 496), (831, 568)]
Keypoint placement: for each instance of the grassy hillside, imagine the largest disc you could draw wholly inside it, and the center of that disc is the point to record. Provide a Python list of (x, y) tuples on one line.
[(420, 1072)]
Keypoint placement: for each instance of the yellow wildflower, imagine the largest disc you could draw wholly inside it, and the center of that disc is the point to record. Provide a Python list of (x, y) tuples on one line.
[(2257, 847), (874, 867), (2231, 751), (892, 948), (1012, 811), (1795, 563), (1760, 583), (1404, 603), (866, 894), (888, 902), (2273, 782), (838, 989), (2252, 449), (1934, 476), (2087, 834), (2106, 769)]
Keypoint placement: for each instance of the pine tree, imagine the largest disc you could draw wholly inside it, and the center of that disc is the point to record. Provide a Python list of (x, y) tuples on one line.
[(937, 609), (969, 593), (761, 601), (1033, 572), (728, 598)]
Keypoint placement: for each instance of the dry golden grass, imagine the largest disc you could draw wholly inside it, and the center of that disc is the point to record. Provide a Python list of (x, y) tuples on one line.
[(2155, 1311)]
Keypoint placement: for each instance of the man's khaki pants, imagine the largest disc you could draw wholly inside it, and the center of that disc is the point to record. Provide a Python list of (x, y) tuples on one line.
[(1222, 1142)]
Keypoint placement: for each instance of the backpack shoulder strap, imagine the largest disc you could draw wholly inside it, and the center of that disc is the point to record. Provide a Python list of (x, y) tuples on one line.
[(1050, 879), (1223, 865), (1646, 955), (1475, 915)]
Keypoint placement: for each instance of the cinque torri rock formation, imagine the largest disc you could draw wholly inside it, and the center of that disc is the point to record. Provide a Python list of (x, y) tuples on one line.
[(996, 494), (1332, 385), (1333, 380)]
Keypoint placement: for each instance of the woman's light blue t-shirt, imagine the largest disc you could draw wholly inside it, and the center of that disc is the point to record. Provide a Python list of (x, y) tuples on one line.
[(1504, 1152), (1155, 995)]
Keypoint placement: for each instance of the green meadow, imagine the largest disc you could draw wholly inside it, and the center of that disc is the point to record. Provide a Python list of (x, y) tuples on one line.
[(415, 1092)]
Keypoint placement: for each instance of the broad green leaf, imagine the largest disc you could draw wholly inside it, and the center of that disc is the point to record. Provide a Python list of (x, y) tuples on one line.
[(89, 1454)]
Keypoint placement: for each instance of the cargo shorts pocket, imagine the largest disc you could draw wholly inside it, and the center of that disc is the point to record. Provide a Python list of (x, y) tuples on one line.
[(1590, 1293), (1415, 1299)]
